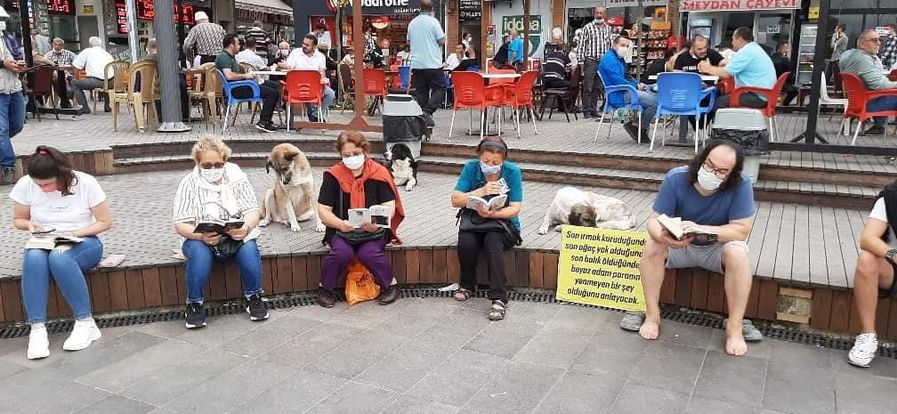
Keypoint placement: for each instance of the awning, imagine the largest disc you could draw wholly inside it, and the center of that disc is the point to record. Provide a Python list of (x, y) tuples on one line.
[(265, 6), (736, 5)]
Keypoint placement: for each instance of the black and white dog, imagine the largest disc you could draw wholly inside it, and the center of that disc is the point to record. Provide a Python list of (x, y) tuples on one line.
[(401, 163)]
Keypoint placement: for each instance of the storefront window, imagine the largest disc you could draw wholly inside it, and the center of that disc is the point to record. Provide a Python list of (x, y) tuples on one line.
[(773, 28), (854, 4)]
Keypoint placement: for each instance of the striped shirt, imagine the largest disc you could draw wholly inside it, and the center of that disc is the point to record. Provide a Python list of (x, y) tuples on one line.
[(888, 53), (555, 66), (594, 40), (196, 198), (207, 38), (261, 40), (64, 57)]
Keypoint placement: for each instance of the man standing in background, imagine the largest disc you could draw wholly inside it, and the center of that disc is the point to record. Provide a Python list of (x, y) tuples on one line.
[(426, 38), (515, 51), (595, 39), (261, 38), (204, 40)]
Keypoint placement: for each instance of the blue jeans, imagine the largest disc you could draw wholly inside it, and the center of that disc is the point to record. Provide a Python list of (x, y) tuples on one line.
[(329, 97), (12, 120), (884, 103), (648, 100), (199, 265), (67, 268)]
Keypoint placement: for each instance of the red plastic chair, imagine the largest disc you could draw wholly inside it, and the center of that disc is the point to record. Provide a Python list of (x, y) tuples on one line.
[(303, 87), (375, 86), (858, 97), (471, 93), (520, 96), (893, 75), (725, 86), (772, 98)]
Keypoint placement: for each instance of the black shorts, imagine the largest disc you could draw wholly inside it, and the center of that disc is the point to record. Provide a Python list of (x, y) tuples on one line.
[(891, 292)]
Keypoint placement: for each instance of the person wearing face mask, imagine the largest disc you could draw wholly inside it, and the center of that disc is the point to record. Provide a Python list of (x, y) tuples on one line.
[(595, 40), (489, 176), (218, 190), (357, 182), (711, 196), (613, 72), (55, 198)]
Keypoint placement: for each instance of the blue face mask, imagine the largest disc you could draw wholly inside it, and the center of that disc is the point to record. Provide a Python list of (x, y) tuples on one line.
[(490, 169)]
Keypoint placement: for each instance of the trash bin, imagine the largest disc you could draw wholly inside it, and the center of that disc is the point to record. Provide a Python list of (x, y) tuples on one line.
[(748, 128), (403, 123)]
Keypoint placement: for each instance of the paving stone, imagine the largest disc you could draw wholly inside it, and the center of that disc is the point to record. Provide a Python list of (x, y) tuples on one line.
[(735, 379), (405, 366), (796, 388), (857, 392), (881, 366), (115, 404), (116, 376), (27, 393), (678, 333), (517, 387), (411, 405), (611, 354), (638, 399), (268, 335), (800, 354), (296, 394), (356, 398), (555, 346), (668, 367), (311, 346), (503, 339), (700, 405), (357, 354), (456, 380), (578, 392)]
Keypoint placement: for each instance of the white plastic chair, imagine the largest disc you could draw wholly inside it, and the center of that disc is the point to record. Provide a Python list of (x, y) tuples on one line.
[(825, 99)]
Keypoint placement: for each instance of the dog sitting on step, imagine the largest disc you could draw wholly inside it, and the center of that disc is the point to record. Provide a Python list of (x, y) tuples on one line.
[(403, 166), (294, 197), (588, 209)]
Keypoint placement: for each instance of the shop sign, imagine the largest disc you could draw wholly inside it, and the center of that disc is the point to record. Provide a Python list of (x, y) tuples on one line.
[(146, 11), (773, 28), (379, 6), (737, 5), (634, 3), (516, 23), (61, 6), (813, 13), (470, 10)]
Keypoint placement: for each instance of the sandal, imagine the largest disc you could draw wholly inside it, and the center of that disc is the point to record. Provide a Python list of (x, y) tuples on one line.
[(748, 330), (461, 295), (632, 321), (498, 310)]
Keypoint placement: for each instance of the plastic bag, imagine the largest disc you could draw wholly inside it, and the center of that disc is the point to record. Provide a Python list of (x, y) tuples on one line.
[(360, 284), (752, 142)]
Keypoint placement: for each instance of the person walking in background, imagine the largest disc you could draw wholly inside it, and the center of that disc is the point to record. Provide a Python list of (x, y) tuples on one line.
[(93, 61), (54, 197), (515, 51), (204, 40), (596, 39), (426, 38), (12, 110), (260, 39), (839, 42)]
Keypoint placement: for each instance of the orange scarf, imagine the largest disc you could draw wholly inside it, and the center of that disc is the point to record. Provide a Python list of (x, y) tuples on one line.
[(348, 183)]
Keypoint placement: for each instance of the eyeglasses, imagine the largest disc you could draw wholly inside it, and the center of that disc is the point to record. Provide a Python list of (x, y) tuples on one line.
[(875, 40), (209, 165), (721, 173)]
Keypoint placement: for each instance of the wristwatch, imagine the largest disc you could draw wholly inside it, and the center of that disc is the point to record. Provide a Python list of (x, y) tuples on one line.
[(891, 254)]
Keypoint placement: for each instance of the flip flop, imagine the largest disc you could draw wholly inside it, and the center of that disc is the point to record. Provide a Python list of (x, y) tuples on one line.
[(632, 321), (749, 331)]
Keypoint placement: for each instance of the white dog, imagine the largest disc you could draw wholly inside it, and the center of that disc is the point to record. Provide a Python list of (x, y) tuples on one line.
[(294, 196), (585, 208)]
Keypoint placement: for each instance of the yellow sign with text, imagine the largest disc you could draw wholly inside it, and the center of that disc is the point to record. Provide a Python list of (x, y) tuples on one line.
[(601, 267)]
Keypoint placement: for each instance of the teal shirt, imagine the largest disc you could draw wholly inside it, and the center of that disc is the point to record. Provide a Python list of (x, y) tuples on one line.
[(472, 177), (751, 66), (424, 34), (224, 60)]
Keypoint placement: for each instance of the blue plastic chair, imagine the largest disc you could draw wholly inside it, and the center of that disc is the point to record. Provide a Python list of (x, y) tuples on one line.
[(229, 86), (405, 77), (609, 109), (681, 93), (448, 89)]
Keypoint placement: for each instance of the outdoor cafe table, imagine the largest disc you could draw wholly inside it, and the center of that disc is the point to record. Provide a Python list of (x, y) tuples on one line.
[(269, 72), (683, 120), (487, 77)]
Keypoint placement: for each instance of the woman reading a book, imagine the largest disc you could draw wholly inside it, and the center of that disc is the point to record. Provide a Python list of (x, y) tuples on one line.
[(487, 228), (64, 210), (358, 183), (216, 212)]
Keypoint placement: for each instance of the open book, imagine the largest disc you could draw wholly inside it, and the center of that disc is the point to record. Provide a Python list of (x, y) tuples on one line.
[(493, 203), (217, 226), (674, 226), (49, 241), (378, 215)]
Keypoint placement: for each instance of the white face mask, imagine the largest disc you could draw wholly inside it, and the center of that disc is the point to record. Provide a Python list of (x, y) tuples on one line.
[(354, 162), (622, 52), (599, 21), (2, 26), (490, 169), (708, 180), (212, 175)]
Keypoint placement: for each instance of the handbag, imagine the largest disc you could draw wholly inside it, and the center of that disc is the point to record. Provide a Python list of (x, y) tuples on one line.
[(357, 236), (470, 221), (226, 248)]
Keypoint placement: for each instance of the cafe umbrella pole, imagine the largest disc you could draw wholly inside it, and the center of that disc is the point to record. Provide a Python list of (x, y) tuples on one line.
[(168, 68)]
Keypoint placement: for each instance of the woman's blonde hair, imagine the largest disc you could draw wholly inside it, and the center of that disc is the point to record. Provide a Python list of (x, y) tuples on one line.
[(210, 143)]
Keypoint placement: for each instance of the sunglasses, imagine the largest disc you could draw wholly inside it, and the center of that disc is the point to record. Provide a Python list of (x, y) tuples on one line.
[(209, 165)]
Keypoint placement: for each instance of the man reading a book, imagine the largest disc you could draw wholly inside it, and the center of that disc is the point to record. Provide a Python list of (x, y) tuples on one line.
[(716, 207)]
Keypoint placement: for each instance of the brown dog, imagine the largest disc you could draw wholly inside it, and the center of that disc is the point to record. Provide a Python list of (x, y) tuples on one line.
[(294, 196)]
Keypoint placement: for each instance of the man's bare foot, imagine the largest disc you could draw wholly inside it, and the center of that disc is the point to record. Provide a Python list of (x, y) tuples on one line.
[(650, 329), (735, 344)]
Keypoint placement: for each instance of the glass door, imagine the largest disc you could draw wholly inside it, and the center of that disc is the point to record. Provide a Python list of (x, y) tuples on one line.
[(772, 28)]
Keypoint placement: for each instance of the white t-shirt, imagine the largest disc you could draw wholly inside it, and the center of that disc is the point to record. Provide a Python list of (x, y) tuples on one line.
[(299, 60), (880, 212), (94, 60), (53, 211)]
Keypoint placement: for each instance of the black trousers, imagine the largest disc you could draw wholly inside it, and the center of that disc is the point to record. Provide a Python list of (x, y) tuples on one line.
[(270, 92), (790, 93), (470, 245), (429, 88), (592, 89), (206, 59), (747, 100)]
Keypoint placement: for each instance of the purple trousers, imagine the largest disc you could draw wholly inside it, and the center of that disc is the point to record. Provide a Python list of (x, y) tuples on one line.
[(370, 254)]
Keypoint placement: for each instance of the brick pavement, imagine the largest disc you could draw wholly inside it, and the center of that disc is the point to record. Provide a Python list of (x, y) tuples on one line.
[(436, 356)]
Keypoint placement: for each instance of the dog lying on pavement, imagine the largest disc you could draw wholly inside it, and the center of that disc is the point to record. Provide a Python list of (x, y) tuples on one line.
[(402, 166), (294, 196), (585, 208)]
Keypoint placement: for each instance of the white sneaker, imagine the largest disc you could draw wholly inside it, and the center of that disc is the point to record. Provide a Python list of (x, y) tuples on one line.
[(38, 344), (863, 350), (82, 335)]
